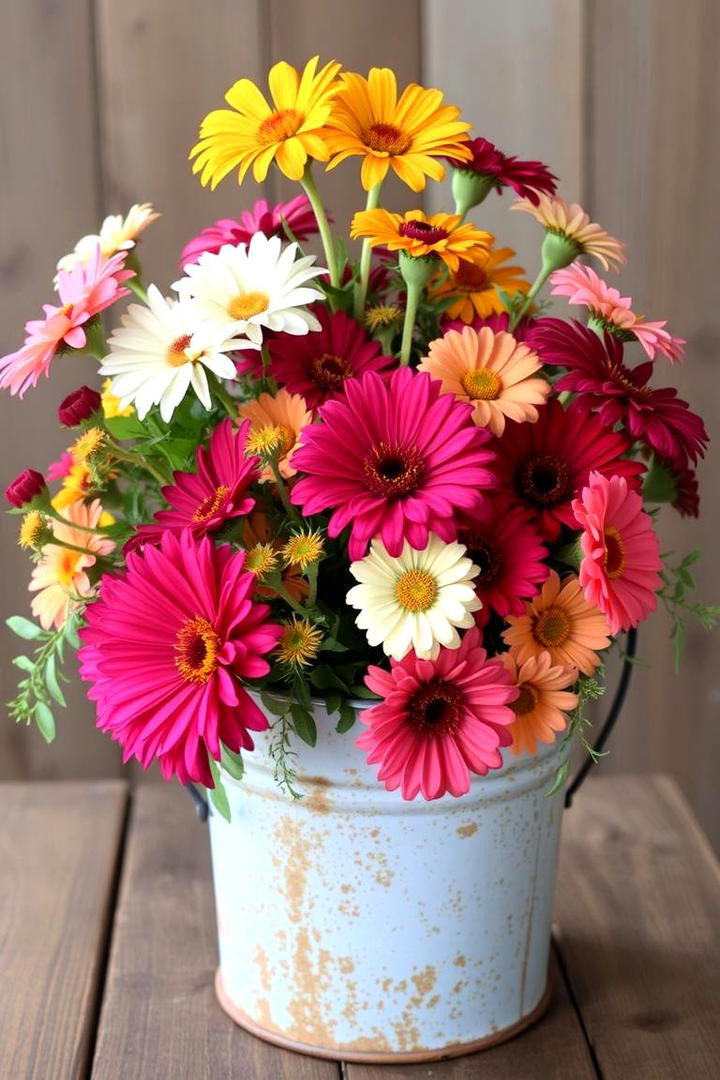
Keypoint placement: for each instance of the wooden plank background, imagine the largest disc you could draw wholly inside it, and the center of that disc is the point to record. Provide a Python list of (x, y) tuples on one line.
[(100, 103)]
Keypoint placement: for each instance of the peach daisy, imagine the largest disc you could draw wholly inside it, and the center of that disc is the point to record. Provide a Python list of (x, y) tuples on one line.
[(493, 372), (543, 703), (578, 235), (117, 233), (276, 421), (561, 621), (476, 285), (419, 236)]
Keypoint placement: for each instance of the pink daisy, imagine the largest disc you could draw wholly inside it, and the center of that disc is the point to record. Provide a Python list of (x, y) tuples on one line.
[(318, 364), (619, 394), (396, 458), (614, 312), (526, 178), (166, 647), (217, 492), (263, 218), (87, 289), (502, 542), (527, 330), (619, 571), (439, 721), (544, 465), (58, 470)]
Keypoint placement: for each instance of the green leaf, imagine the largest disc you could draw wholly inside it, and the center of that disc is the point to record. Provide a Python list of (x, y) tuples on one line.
[(363, 692), (24, 663), (333, 703), (303, 724), (232, 763), (45, 721), (24, 628), (347, 718), (126, 427), (560, 778), (273, 705), (218, 795), (71, 634), (323, 677), (51, 681)]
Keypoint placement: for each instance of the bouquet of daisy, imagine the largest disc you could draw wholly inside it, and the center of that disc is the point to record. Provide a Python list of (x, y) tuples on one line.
[(389, 477)]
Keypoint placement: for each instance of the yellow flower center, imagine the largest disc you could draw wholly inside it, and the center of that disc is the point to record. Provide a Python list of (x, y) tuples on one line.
[(299, 642), (552, 627), (386, 139), (247, 304), (382, 315), (416, 590), (303, 550), (526, 702), (196, 648), (176, 355), (261, 560), (31, 529), (280, 125), (614, 553), (211, 504), (87, 445), (481, 385), (66, 567)]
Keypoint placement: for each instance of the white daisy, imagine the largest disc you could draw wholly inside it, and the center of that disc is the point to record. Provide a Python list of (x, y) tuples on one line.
[(117, 233), (418, 600), (244, 288), (163, 349)]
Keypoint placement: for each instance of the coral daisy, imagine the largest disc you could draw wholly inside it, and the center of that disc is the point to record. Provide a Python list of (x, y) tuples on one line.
[(617, 393), (407, 135), (562, 621), (544, 700), (474, 288), (318, 365), (575, 233), (418, 235), (493, 372), (415, 601), (614, 313), (86, 290), (252, 132), (60, 577), (439, 721), (509, 556), (621, 553), (396, 459), (165, 649), (242, 289), (117, 233), (492, 169), (297, 214), (215, 493), (544, 465), (161, 351), (283, 415)]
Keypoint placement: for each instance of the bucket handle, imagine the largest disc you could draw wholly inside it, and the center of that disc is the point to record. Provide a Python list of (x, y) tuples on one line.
[(202, 808)]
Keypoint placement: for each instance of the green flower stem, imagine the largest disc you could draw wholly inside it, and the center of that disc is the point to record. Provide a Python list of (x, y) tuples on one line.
[(274, 582), (52, 513), (290, 510), (135, 459), (95, 344), (414, 293), (545, 271), (328, 241), (312, 576), (225, 399), (136, 286), (361, 288)]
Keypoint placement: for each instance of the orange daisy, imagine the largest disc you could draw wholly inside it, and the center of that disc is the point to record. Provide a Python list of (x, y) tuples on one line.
[(276, 422), (407, 135), (578, 234), (476, 285), (544, 701), (491, 371), (257, 534), (562, 621), (419, 235)]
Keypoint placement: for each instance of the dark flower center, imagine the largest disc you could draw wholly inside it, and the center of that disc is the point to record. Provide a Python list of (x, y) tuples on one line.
[(552, 627), (422, 230), (196, 647), (330, 371), (545, 480), (436, 708), (623, 378), (470, 278), (211, 504), (280, 125), (614, 553), (486, 557), (393, 469), (525, 702), (386, 139)]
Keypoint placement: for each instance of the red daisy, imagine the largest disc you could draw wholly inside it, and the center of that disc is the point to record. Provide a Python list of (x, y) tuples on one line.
[(687, 497), (166, 647), (440, 720), (526, 178), (298, 214), (318, 364), (619, 394), (509, 554), (396, 459), (204, 500), (544, 465)]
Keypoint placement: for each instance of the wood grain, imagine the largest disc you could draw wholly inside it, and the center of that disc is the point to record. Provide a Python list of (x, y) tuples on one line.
[(59, 850), (638, 907), (160, 1018)]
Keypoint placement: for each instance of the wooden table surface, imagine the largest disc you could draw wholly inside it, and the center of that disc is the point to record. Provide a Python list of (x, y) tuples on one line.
[(107, 946)]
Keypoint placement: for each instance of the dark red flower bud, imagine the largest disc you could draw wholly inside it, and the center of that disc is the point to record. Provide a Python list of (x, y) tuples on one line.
[(25, 487), (79, 406)]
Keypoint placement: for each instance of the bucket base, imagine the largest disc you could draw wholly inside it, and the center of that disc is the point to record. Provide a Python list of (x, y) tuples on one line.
[(367, 1057)]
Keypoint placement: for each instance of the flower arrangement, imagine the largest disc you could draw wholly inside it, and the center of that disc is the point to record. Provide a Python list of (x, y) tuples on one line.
[(392, 478)]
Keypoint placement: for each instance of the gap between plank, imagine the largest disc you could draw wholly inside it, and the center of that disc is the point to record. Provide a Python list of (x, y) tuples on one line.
[(557, 949)]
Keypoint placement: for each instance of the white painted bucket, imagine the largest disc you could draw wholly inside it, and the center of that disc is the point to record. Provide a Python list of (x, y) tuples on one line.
[(354, 925)]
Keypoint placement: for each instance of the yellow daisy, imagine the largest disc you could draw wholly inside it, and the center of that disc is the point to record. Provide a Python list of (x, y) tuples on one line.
[(419, 235), (111, 403), (408, 135), (476, 285), (253, 132)]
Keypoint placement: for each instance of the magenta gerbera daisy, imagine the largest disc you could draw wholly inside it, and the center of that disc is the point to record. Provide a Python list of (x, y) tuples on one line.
[(509, 553), (218, 491), (619, 394), (621, 554), (526, 178), (318, 364), (544, 465), (396, 459), (440, 720), (166, 647), (527, 331), (297, 213)]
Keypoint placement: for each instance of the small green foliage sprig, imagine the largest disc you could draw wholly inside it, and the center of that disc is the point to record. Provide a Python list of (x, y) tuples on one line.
[(588, 688), (40, 689), (678, 581)]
